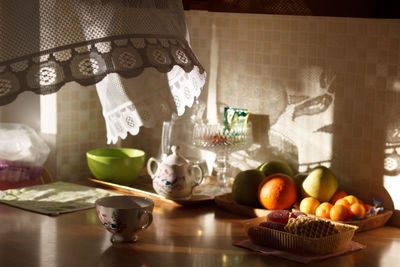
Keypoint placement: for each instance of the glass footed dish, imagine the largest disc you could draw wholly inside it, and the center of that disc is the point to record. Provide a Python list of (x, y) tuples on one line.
[(222, 141)]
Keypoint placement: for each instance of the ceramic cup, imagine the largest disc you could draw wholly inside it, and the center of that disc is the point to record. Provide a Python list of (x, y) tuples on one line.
[(124, 216)]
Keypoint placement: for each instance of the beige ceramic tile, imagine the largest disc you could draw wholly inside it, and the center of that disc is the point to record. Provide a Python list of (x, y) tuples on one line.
[(261, 62)]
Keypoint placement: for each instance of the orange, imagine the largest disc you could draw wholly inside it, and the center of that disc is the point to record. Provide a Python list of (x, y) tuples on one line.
[(358, 210), (338, 194), (351, 199), (277, 192), (339, 212), (323, 210), (309, 205), (344, 202)]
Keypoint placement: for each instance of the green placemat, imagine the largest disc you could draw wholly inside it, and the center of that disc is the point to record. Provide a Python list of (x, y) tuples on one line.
[(54, 198)]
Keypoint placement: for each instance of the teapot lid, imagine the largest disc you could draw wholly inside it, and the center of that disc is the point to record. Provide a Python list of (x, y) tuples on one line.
[(175, 158)]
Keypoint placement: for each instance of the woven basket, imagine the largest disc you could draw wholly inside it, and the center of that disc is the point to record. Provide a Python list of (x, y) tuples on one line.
[(282, 240)]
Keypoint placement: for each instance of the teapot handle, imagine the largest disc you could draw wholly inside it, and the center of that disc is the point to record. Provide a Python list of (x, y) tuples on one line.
[(150, 166), (197, 180)]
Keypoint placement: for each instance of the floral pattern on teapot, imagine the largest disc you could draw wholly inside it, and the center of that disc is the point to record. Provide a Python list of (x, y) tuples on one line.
[(175, 177), (167, 183)]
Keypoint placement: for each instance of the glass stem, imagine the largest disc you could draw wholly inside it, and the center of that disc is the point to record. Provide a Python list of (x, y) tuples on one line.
[(221, 166)]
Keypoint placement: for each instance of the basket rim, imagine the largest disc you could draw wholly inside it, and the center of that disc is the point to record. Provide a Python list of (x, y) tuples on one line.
[(268, 237), (305, 237), (347, 228)]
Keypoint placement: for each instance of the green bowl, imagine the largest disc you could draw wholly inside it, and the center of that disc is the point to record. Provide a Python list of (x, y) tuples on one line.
[(116, 165)]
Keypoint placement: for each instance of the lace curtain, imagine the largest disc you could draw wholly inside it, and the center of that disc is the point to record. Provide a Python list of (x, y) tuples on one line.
[(115, 44)]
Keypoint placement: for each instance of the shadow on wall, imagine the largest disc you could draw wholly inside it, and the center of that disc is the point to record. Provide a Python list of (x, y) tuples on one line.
[(355, 131), (307, 121), (367, 147), (391, 151)]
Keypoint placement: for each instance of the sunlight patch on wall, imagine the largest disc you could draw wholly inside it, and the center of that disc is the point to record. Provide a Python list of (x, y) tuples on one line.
[(212, 82), (48, 114), (391, 178), (307, 120), (396, 86)]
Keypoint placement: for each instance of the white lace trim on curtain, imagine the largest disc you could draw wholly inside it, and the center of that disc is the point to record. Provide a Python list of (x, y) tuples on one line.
[(131, 103)]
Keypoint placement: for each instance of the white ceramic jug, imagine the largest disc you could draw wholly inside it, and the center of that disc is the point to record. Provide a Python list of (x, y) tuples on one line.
[(175, 177)]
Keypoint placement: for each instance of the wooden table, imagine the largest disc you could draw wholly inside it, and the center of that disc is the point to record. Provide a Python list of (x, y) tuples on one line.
[(179, 236)]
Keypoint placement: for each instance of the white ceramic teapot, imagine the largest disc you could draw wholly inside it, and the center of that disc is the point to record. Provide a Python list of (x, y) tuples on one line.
[(175, 177)]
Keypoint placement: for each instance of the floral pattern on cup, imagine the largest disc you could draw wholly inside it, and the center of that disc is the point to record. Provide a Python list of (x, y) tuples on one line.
[(124, 216), (113, 223)]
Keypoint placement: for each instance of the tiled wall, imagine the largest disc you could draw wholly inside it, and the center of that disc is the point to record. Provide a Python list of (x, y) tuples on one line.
[(326, 89), (323, 90), (80, 127)]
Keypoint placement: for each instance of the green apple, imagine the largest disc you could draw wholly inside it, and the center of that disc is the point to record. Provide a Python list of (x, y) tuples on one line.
[(320, 183), (272, 167), (299, 179), (245, 187)]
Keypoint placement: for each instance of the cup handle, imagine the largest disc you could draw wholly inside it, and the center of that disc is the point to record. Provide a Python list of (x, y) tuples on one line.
[(197, 180), (149, 219), (150, 167)]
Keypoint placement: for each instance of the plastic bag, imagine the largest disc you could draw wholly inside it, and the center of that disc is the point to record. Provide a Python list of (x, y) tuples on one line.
[(14, 174), (21, 143), (22, 154)]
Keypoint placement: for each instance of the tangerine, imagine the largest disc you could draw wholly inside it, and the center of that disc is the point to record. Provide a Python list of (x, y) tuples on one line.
[(277, 192), (309, 205), (351, 199), (344, 202), (323, 210), (338, 195), (339, 212), (358, 210)]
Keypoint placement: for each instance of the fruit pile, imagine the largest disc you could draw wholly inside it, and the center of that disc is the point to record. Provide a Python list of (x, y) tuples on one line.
[(270, 186), (274, 187), (323, 198), (341, 207)]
